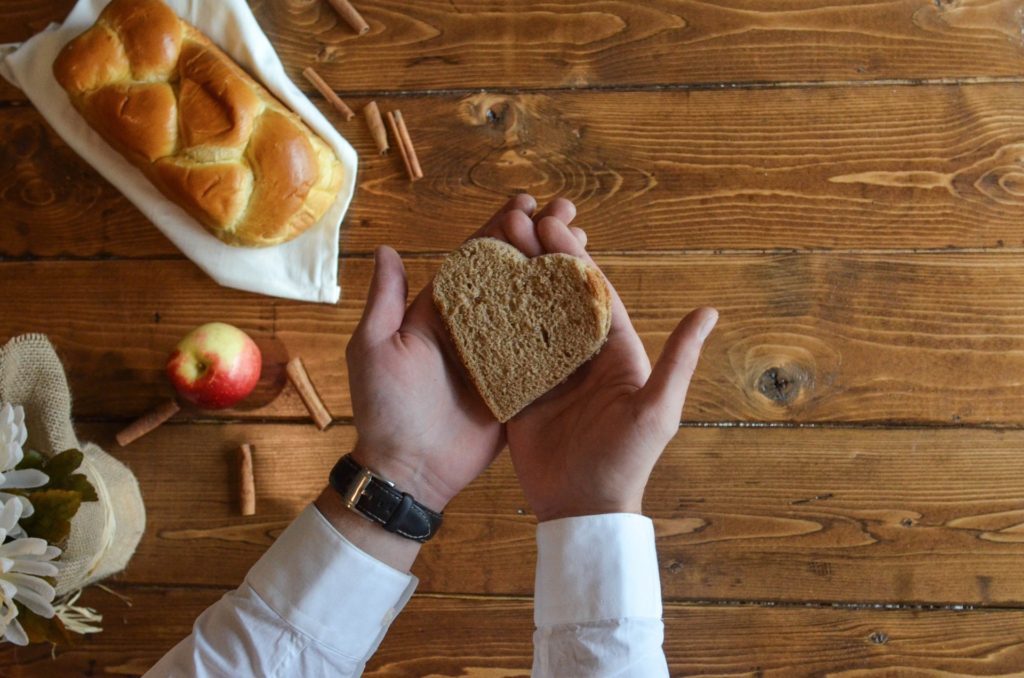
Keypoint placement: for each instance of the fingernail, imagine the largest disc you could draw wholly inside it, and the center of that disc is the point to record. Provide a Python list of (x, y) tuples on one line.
[(705, 329)]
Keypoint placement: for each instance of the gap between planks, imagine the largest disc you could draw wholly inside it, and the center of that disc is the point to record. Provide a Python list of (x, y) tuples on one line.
[(349, 421), (659, 87), (696, 252), (126, 589)]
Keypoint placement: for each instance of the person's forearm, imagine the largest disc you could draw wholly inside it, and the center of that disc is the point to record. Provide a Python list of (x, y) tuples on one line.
[(317, 603)]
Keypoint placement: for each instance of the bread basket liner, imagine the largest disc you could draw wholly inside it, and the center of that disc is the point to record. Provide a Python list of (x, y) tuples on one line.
[(305, 268)]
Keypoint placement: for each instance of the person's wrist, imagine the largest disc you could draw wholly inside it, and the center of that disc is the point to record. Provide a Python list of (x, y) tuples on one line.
[(578, 509), (387, 547), (402, 469)]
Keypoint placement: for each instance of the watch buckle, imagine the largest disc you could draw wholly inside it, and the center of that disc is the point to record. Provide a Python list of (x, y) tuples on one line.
[(355, 489)]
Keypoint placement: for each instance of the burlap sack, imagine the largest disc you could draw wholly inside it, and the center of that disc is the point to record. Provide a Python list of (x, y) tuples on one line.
[(104, 533)]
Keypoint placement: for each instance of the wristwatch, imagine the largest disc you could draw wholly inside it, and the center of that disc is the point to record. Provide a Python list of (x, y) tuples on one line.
[(377, 499)]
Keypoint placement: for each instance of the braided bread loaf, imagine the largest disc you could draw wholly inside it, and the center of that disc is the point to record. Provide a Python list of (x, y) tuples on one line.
[(205, 133)]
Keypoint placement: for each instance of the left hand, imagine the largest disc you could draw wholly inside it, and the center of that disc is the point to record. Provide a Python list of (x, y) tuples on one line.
[(588, 446)]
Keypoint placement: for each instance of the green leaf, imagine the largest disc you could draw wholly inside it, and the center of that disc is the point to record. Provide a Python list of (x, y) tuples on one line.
[(61, 469), (39, 629), (63, 464), (53, 512), (32, 459), (77, 482)]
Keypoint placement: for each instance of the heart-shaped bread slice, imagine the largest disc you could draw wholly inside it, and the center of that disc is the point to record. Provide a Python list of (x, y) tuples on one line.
[(521, 325)]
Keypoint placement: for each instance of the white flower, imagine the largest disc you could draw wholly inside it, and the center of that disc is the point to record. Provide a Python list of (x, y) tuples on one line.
[(23, 563), (13, 435)]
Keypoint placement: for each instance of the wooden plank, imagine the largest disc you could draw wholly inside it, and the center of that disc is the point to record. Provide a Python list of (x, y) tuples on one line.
[(933, 338), (485, 637), (927, 516), (835, 168), (432, 44)]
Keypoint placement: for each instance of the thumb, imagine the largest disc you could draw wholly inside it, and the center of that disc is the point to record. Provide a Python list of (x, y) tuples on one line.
[(385, 304), (666, 388)]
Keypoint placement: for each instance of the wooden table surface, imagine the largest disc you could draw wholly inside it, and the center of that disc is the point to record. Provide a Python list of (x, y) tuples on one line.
[(843, 179)]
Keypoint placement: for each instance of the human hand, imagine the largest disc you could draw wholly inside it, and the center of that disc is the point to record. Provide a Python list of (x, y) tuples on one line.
[(419, 419), (589, 445)]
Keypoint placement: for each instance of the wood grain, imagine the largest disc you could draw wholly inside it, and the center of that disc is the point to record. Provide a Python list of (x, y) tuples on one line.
[(434, 44), (840, 515), (865, 338), (834, 168), (488, 638), (877, 134)]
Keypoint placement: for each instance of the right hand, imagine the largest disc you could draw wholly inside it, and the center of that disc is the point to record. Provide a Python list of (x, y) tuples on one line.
[(589, 446)]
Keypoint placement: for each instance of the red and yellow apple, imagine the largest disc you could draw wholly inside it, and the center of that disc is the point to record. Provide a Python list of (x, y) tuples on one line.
[(215, 366)]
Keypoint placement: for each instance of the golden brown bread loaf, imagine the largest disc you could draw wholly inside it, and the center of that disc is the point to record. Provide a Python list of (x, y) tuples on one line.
[(521, 326), (205, 133)]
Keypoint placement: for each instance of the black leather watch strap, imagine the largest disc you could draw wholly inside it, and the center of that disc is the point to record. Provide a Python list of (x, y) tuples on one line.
[(379, 500)]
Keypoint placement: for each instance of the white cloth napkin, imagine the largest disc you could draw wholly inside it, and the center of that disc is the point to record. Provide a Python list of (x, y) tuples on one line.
[(305, 268)]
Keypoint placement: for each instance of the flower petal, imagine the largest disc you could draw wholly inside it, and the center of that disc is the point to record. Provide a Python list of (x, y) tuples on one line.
[(24, 478), (33, 593), (36, 603), (10, 513), (26, 506), (24, 547), (38, 568), (15, 634), (26, 582)]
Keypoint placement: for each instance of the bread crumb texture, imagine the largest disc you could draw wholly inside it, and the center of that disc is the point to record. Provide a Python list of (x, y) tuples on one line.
[(521, 326)]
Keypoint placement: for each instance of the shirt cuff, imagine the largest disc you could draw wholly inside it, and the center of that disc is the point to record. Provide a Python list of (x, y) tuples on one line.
[(596, 568), (328, 589)]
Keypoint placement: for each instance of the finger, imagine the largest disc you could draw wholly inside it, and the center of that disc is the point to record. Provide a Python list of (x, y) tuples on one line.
[(555, 236), (670, 378), (560, 208), (580, 234), (385, 305), (521, 233), (521, 202)]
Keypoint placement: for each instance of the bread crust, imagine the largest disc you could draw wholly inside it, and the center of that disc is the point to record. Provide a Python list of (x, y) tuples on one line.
[(198, 126)]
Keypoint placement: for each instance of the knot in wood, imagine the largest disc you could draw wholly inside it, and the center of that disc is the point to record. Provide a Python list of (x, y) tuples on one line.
[(781, 385), (879, 637), (496, 115)]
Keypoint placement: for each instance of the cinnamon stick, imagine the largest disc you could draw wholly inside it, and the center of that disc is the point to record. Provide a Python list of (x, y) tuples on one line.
[(347, 12), (310, 398), (246, 481), (147, 422), (377, 131), (412, 165), (398, 141), (340, 106)]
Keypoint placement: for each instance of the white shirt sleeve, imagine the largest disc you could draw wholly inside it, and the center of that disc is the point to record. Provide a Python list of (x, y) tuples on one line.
[(313, 605), (597, 599)]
